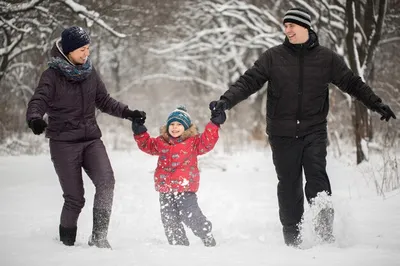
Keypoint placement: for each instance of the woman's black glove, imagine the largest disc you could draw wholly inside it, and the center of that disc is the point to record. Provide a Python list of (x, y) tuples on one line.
[(132, 115), (37, 125)]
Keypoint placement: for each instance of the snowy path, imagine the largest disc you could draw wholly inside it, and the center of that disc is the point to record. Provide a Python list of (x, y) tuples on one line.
[(237, 193)]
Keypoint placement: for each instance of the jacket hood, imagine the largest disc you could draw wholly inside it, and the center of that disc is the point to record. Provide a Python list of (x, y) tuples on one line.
[(311, 43), (190, 132), (57, 51)]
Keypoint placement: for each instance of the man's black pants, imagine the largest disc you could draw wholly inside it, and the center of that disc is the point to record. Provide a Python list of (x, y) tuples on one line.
[(291, 156)]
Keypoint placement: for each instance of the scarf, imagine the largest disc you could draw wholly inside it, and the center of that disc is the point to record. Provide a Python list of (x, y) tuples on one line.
[(71, 72)]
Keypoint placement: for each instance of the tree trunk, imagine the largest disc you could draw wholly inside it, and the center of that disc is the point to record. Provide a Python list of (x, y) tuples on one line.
[(361, 128), (360, 115)]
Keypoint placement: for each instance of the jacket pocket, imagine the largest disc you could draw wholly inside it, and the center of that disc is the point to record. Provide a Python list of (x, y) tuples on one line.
[(272, 102), (55, 128)]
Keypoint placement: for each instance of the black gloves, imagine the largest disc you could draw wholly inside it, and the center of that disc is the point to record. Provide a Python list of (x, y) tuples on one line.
[(138, 118), (385, 111), (132, 115), (37, 125), (220, 105), (138, 126), (218, 115)]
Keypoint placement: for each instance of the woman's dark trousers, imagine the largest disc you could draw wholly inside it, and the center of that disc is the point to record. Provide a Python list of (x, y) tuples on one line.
[(69, 158)]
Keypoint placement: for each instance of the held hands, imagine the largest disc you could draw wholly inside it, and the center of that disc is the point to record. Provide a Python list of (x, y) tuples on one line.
[(136, 114), (220, 105), (37, 125), (138, 126), (218, 115), (138, 118), (385, 111)]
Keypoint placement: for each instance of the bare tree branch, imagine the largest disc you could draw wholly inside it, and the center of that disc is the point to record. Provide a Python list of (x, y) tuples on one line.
[(7, 8), (389, 40), (91, 15)]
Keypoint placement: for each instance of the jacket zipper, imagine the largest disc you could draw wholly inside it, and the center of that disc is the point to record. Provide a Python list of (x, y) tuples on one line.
[(83, 112), (300, 90)]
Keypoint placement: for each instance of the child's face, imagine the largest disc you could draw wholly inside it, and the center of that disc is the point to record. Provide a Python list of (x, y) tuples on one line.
[(176, 129)]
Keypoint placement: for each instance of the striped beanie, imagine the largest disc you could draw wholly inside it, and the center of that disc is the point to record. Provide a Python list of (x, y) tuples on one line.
[(298, 16), (180, 115)]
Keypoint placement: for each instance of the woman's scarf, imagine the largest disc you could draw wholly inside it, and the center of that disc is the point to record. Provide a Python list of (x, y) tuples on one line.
[(72, 72)]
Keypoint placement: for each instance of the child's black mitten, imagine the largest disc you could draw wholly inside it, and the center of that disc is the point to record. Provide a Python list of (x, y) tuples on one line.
[(218, 117), (138, 127)]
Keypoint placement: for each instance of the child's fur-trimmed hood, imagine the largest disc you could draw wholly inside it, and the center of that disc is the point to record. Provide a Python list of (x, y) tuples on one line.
[(190, 132)]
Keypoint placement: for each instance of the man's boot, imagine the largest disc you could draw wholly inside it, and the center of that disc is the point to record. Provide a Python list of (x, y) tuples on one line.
[(291, 235), (67, 235), (101, 220), (324, 225)]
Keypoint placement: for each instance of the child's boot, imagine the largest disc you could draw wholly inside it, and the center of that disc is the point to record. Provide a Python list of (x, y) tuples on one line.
[(209, 240), (176, 235)]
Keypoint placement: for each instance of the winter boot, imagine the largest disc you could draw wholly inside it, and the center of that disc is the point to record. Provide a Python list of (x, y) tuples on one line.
[(178, 241), (176, 234), (324, 225), (182, 242), (67, 235), (209, 240), (101, 220), (291, 235)]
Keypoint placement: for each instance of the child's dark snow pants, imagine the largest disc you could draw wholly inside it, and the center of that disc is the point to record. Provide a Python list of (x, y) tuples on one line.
[(176, 208)]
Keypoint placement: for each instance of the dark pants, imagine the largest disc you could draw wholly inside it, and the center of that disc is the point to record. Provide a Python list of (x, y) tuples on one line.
[(176, 208), (290, 157), (69, 159)]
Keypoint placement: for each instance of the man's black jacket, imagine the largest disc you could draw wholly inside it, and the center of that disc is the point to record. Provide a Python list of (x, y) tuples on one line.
[(298, 77)]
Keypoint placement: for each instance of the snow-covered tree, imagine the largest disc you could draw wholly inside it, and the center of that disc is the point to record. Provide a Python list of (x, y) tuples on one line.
[(219, 40), (27, 31), (215, 43), (355, 30)]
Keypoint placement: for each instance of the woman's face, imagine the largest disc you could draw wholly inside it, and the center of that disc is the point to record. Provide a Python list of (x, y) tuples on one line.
[(176, 129), (79, 56)]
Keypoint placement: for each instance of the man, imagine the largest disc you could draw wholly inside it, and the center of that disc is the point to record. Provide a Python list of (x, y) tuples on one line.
[(298, 73)]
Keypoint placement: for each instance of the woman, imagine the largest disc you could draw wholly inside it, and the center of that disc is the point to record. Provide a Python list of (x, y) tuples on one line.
[(69, 91)]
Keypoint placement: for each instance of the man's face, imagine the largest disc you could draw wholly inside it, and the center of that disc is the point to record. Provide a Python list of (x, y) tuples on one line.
[(295, 33)]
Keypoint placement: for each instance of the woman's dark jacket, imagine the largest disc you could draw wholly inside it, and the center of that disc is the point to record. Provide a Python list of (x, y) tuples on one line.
[(71, 105)]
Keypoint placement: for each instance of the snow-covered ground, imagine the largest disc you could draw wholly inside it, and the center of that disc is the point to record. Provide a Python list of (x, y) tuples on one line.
[(237, 193)]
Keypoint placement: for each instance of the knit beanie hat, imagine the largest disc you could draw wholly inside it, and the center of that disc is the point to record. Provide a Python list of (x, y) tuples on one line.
[(180, 115), (298, 16), (73, 38)]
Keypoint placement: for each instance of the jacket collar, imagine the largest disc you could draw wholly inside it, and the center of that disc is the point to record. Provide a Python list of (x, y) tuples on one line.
[(311, 43)]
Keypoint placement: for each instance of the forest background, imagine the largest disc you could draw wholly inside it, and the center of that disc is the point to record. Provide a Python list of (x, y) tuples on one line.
[(155, 55)]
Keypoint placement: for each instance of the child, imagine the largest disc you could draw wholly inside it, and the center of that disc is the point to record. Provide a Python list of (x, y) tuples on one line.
[(177, 175)]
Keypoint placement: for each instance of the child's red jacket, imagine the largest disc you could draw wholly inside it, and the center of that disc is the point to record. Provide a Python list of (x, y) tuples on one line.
[(177, 169)]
